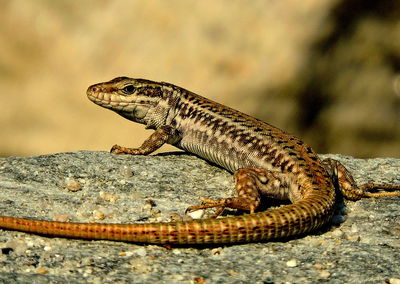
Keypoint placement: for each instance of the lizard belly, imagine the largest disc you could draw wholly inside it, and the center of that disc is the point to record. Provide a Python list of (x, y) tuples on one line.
[(220, 150)]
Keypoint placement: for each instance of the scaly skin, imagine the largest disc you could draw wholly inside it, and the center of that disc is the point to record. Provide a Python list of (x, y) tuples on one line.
[(265, 160)]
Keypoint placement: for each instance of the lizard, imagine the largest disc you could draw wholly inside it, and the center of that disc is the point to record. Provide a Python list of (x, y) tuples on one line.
[(264, 160)]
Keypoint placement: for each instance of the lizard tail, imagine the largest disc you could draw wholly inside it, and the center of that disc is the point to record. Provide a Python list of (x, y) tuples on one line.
[(302, 216)]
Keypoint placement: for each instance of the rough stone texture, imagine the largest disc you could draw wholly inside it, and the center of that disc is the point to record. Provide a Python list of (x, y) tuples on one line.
[(97, 186)]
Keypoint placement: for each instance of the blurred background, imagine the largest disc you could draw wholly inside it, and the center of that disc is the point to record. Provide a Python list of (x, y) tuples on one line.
[(327, 71)]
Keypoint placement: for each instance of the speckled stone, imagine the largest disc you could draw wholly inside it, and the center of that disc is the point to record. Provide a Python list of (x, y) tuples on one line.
[(364, 247)]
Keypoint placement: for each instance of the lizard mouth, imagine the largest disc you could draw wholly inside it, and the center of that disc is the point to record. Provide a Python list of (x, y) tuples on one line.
[(115, 102), (107, 100)]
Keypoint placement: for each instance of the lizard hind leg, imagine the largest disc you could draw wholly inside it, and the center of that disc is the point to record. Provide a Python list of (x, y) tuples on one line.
[(348, 186), (251, 183)]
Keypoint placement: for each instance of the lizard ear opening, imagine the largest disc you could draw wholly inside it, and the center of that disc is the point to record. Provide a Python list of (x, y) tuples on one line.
[(129, 89)]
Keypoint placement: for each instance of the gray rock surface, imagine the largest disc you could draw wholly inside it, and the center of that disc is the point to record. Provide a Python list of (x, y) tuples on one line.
[(362, 244)]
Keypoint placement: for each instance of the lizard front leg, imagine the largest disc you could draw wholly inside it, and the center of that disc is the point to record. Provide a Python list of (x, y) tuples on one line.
[(151, 144), (348, 187)]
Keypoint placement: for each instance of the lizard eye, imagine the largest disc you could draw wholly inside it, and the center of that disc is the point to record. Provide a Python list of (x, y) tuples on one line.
[(129, 89)]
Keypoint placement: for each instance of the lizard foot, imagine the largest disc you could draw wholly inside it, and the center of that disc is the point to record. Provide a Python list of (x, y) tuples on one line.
[(240, 203), (116, 149), (368, 187), (209, 203), (119, 150)]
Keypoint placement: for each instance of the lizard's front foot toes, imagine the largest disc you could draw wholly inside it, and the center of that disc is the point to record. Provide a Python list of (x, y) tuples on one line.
[(116, 149)]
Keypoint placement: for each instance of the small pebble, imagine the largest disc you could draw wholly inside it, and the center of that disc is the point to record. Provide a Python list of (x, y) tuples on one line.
[(62, 217), (126, 171), (47, 248), (291, 263), (199, 280), (176, 251), (319, 266), (324, 274), (72, 184), (98, 214), (353, 238), (232, 272), (354, 228), (141, 252), (337, 233), (175, 217), (42, 270), (126, 253), (197, 214), (108, 197)]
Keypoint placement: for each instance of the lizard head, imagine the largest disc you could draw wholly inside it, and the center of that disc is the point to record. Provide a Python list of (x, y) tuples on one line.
[(134, 99)]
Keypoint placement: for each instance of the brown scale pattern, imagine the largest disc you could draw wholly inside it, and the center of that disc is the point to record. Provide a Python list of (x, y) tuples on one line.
[(271, 161)]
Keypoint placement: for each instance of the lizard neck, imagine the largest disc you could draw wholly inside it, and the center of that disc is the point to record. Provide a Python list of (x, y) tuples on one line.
[(164, 111)]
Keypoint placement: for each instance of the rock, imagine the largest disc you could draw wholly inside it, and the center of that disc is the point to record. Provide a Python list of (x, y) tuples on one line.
[(34, 187)]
